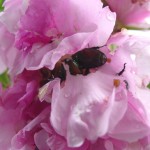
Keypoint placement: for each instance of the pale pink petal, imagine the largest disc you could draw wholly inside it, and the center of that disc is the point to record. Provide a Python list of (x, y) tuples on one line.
[(25, 135), (87, 112)]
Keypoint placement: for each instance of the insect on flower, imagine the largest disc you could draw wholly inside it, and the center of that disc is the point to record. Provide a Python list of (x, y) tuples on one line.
[(86, 59), (79, 63)]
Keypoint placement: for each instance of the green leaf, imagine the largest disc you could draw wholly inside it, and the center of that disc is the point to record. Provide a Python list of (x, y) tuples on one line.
[(1, 5), (5, 79), (148, 85)]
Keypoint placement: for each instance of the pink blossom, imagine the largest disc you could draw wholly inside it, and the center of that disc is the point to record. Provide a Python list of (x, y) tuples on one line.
[(89, 109), (107, 109), (42, 32), (131, 12), (19, 105), (135, 45)]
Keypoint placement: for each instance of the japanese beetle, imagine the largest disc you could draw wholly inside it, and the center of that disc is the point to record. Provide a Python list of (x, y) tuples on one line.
[(88, 58), (79, 63)]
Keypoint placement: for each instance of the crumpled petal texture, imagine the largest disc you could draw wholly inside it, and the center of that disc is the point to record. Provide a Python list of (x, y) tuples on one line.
[(18, 105), (107, 109), (87, 112), (39, 32), (134, 44), (79, 113)]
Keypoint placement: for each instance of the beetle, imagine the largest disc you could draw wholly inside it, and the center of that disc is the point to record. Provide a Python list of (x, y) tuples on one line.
[(86, 59), (79, 63), (89, 58)]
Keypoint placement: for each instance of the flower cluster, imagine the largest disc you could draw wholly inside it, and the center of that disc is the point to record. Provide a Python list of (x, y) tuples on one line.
[(79, 77)]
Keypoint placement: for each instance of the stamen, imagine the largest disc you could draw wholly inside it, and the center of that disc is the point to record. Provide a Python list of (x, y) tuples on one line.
[(108, 60), (116, 82)]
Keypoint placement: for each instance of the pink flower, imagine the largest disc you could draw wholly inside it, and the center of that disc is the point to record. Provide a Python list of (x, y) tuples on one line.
[(42, 32), (19, 105), (135, 46), (89, 109), (131, 12), (106, 109)]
